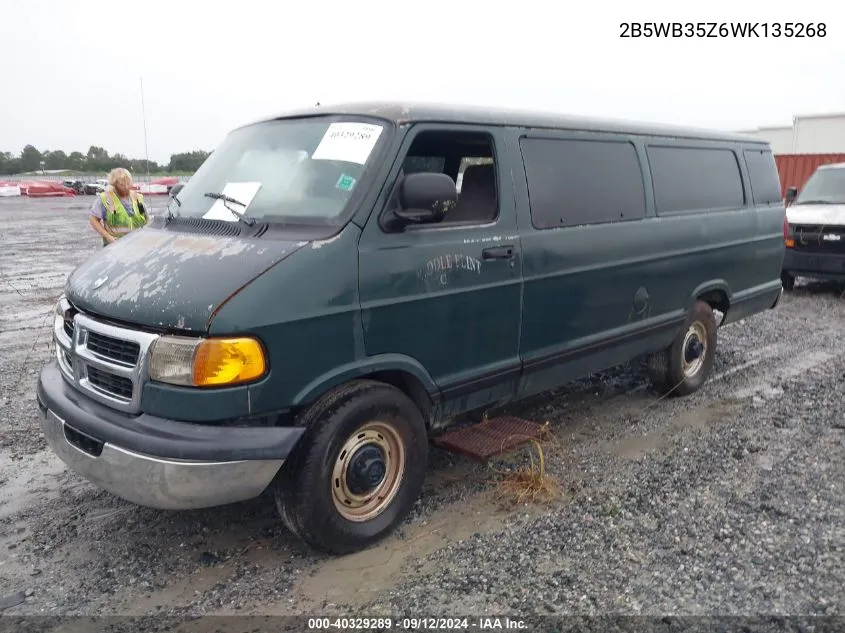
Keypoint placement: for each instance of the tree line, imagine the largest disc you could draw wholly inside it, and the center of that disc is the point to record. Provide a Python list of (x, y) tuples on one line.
[(95, 160)]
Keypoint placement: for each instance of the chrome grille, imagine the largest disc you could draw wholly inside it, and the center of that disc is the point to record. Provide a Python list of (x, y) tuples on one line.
[(110, 384), (123, 352), (818, 239), (106, 362)]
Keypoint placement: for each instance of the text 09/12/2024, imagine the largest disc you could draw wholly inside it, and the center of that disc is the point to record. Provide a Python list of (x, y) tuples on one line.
[(723, 29)]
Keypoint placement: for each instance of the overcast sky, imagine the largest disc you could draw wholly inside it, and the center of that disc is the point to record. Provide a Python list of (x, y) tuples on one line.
[(209, 66)]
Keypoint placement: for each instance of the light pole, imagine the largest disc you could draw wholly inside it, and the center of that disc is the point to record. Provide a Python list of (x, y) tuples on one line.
[(144, 115)]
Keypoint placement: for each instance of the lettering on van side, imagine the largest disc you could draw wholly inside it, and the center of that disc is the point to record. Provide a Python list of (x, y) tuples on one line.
[(441, 265)]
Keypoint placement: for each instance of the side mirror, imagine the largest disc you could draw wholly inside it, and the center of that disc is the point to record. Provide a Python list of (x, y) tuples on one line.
[(791, 194), (426, 197), (175, 189)]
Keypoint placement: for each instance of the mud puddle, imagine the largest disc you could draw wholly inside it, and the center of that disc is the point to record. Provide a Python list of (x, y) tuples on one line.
[(766, 386), (29, 482), (694, 419), (364, 576)]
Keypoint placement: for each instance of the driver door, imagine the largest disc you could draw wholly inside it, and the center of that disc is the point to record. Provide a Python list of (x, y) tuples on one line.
[(448, 295)]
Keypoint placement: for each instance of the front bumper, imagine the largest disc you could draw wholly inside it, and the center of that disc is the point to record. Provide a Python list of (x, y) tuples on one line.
[(155, 462), (819, 265)]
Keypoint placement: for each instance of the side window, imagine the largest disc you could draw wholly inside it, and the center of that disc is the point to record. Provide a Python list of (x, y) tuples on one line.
[(413, 164), (763, 173), (692, 179), (469, 160), (574, 182)]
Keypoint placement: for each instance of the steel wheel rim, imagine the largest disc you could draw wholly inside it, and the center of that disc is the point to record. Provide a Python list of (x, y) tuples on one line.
[(365, 506), (696, 332)]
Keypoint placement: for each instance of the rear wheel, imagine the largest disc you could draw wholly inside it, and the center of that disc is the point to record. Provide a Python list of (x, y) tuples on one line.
[(788, 281), (683, 367), (357, 470)]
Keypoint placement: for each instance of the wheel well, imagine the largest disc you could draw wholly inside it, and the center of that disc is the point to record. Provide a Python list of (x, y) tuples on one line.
[(716, 299), (410, 385)]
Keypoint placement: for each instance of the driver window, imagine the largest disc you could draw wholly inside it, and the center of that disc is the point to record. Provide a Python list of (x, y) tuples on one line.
[(468, 159)]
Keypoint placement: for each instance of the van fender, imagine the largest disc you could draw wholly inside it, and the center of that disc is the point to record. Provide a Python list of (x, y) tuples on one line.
[(712, 289), (365, 367)]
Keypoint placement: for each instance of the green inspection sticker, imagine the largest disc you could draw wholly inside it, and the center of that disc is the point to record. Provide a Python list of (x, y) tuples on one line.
[(346, 183)]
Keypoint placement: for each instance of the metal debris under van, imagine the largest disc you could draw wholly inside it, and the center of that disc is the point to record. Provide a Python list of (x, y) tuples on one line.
[(491, 437)]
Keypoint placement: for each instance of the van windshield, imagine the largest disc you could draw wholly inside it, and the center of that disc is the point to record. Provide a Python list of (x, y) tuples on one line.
[(826, 186), (287, 170)]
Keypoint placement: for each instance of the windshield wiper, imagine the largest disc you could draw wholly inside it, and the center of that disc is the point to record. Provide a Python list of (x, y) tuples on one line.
[(226, 199)]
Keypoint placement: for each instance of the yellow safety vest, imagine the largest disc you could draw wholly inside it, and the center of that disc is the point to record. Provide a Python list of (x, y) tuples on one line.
[(118, 221)]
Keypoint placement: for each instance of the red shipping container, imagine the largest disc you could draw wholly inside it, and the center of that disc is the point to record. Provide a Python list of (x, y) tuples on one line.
[(795, 169)]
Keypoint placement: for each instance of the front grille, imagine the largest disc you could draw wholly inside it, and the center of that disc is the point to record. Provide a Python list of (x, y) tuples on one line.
[(814, 239), (106, 362), (125, 352), (109, 383), (66, 359), (68, 322)]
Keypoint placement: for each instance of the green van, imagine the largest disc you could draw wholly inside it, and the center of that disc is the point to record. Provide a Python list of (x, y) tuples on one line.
[(321, 297)]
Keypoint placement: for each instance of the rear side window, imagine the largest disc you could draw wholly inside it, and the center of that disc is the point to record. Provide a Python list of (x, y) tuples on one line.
[(574, 182), (695, 179), (763, 173)]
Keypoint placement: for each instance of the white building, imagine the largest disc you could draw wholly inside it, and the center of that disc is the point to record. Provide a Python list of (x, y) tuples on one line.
[(808, 134)]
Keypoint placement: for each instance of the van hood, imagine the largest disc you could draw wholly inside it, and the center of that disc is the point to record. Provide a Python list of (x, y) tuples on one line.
[(163, 279), (820, 214)]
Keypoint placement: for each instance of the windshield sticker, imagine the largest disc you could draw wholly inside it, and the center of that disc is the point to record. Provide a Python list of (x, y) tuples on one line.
[(345, 183), (348, 142), (243, 192)]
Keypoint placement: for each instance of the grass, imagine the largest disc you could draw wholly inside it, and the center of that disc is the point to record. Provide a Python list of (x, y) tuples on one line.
[(531, 483)]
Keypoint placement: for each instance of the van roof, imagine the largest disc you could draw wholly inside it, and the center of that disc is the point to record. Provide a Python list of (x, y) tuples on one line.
[(406, 112)]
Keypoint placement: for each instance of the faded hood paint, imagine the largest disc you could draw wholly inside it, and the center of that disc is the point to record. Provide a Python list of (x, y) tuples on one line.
[(159, 278), (819, 214)]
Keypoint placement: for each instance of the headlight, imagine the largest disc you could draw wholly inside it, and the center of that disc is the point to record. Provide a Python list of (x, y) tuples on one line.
[(61, 306), (207, 362), (59, 311)]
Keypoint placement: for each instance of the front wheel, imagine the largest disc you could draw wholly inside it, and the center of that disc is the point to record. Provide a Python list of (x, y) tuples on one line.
[(357, 470), (684, 366)]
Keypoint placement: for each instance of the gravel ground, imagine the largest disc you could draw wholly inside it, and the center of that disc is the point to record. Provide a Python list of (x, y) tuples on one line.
[(727, 502)]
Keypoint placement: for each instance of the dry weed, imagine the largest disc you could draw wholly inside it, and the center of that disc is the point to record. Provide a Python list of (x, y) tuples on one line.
[(532, 482)]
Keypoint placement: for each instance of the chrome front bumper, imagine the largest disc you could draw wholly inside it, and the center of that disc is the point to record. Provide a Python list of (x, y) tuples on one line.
[(167, 484)]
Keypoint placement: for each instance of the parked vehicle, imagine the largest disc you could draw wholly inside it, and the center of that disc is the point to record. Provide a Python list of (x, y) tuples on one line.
[(84, 188), (815, 243), (320, 300), (96, 187), (77, 185)]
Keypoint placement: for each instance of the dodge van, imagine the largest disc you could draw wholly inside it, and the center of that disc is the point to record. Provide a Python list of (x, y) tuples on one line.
[(815, 243), (318, 301)]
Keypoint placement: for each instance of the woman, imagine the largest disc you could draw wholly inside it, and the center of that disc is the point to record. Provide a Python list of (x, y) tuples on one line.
[(118, 210)]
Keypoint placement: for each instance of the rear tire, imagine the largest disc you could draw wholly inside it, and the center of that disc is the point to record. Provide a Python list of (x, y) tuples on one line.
[(683, 367), (788, 281), (358, 469)]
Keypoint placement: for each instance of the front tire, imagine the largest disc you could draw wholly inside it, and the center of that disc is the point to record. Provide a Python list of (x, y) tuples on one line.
[(358, 469), (683, 367)]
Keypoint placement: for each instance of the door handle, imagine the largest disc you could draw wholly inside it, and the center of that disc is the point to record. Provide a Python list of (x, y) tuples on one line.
[(498, 252)]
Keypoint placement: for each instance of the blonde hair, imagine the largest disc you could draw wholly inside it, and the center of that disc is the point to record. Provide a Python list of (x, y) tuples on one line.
[(120, 174)]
